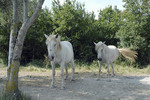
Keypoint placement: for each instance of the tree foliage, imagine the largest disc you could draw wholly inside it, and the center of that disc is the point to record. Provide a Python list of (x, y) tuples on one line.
[(34, 46), (73, 23), (109, 23), (128, 29), (134, 33)]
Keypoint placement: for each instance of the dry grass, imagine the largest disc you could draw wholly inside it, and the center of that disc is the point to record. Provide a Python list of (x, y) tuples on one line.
[(83, 68)]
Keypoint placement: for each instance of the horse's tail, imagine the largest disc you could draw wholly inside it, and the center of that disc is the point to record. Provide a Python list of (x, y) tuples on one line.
[(129, 54)]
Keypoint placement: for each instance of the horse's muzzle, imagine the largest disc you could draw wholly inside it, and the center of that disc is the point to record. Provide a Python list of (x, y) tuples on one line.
[(51, 58), (100, 59)]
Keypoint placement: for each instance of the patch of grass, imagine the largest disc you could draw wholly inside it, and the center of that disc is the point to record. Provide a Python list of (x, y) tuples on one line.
[(131, 70), (3, 96), (2, 65), (32, 68), (146, 70), (122, 68)]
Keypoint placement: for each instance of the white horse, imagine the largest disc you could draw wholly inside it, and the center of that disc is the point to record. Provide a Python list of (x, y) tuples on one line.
[(60, 52), (108, 54)]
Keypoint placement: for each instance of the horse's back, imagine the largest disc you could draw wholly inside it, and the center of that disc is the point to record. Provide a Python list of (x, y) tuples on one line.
[(66, 43), (112, 48), (113, 53), (67, 50)]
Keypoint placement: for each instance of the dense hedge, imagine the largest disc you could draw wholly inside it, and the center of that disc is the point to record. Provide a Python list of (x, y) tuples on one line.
[(128, 28)]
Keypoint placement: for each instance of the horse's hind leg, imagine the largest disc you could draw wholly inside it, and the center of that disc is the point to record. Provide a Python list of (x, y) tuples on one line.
[(73, 69), (66, 71), (112, 69), (62, 76)]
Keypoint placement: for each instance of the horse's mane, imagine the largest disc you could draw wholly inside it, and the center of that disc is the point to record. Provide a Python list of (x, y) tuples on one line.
[(97, 46), (53, 37), (104, 45)]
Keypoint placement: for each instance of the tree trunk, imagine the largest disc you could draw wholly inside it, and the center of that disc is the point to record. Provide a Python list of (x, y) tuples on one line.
[(12, 82), (148, 56), (13, 34)]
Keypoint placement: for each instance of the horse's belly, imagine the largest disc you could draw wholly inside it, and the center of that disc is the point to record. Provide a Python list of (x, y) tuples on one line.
[(64, 60), (67, 52), (68, 57), (114, 55)]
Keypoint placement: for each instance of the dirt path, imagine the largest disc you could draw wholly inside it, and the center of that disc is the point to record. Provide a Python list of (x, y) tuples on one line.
[(85, 87)]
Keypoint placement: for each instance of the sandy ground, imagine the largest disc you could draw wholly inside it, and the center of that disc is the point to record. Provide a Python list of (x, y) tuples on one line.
[(85, 86)]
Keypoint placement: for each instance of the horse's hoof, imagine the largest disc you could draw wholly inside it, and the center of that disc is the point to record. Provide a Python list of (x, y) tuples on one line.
[(113, 75), (52, 86), (72, 79), (62, 88), (66, 78), (97, 79)]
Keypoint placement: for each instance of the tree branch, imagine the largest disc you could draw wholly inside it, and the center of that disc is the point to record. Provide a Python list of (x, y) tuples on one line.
[(35, 14), (25, 10)]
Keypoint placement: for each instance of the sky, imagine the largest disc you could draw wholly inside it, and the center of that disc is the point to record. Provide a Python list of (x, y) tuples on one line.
[(92, 5)]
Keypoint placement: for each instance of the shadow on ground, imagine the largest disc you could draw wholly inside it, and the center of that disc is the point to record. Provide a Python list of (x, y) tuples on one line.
[(85, 87)]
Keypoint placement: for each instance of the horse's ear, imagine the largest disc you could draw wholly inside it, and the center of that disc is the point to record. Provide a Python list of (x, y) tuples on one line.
[(46, 36), (56, 36), (94, 43), (104, 42)]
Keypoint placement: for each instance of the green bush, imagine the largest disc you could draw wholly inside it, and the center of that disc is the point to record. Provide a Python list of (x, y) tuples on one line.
[(37, 63), (124, 29)]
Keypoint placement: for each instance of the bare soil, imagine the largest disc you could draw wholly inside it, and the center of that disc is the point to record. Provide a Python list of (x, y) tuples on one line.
[(85, 86)]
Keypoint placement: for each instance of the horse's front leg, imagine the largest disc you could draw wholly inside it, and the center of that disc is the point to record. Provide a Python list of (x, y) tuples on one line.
[(62, 76), (99, 64), (73, 70), (53, 74)]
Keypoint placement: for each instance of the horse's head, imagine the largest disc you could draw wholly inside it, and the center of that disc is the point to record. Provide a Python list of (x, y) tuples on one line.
[(99, 48), (53, 45)]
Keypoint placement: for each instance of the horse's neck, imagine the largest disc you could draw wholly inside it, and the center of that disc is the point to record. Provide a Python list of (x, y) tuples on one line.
[(58, 49), (105, 46), (59, 46), (105, 49)]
